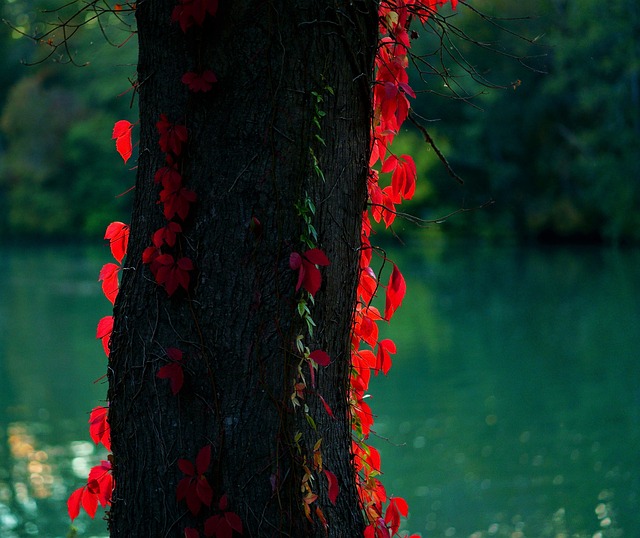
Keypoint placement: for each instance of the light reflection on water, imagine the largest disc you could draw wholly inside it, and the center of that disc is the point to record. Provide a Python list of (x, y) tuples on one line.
[(512, 410), (48, 360), (513, 406)]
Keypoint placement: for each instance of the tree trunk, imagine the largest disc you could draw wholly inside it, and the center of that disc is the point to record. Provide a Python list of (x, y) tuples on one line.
[(293, 91)]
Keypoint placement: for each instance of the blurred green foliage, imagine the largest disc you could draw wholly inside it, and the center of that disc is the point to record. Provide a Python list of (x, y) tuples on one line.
[(555, 142), (59, 172), (558, 148)]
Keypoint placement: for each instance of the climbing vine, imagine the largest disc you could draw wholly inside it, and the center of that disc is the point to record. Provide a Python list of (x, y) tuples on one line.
[(391, 180)]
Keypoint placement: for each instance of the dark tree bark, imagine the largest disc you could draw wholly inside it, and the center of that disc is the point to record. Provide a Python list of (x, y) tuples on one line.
[(248, 156)]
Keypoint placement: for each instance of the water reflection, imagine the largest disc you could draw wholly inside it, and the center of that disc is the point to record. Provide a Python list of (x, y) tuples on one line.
[(36, 478), (512, 410), (514, 398), (48, 360)]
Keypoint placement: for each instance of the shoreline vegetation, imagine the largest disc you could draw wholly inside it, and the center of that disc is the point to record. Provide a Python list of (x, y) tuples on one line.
[(548, 155)]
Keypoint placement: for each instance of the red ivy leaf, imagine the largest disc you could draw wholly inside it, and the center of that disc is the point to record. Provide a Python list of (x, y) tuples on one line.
[(166, 235), (99, 429), (174, 373), (167, 176), (187, 467), (199, 82), (101, 482), (109, 277), (105, 327), (122, 136), (395, 292), (190, 532), (203, 459), (403, 181), (190, 12), (326, 406), (397, 507), (316, 256), (118, 235), (172, 274), (334, 489), (383, 358), (205, 493), (309, 276), (89, 502), (172, 136), (234, 521), (73, 503), (320, 357), (177, 201)]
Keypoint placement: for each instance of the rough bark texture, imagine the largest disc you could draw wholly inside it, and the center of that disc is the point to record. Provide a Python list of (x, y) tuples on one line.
[(248, 156)]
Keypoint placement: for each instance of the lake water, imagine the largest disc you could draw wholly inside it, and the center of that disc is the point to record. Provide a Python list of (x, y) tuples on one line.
[(512, 410)]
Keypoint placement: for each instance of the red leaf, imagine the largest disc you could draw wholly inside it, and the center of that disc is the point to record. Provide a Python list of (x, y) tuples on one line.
[(122, 136), (190, 12), (326, 406), (395, 292), (212, 524), (403, 181), (389, 164), (186, 467), (311, 277), (172, 136), (177, 202), (193, 499), (89, 502), (174, 373), (383, 358), (199, 82), (320, 357), (316, 256), (234, 521), (118, 235), (205, 493), (190, 532), (174, 354), (168, 176), (101, 482), (99, 429), (397, 507), (109, 277), (334, 489), (172, 273), (105, 327), (166, 235), (295, 261), (183, 487), (73, 503), (203, 459)]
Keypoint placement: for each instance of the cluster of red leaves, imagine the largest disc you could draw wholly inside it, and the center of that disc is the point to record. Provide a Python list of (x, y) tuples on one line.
[(190, 13), (117, 234), (196, 491), (199, 82), (390, 109), (169, 269), (173, 371), (99, 484), (221, 525), (98, 490), (193, 12)]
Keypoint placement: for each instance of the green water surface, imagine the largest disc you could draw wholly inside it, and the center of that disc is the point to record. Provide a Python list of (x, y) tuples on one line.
[(512, 410)]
